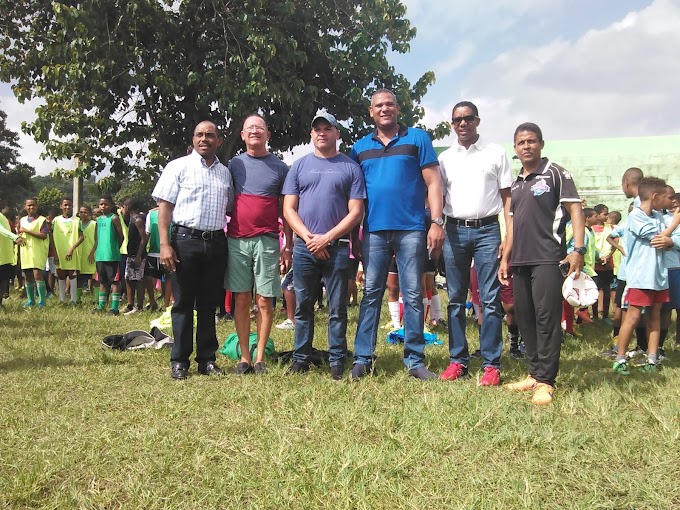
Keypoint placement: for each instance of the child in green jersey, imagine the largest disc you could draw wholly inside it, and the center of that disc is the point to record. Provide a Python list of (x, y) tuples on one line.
[(65, 236), (34, 230), (107, 241)]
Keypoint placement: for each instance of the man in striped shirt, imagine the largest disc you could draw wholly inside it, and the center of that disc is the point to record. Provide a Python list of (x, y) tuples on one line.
[(194, 193)]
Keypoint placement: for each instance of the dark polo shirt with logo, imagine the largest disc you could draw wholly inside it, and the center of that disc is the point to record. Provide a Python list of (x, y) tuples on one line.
[(538, 216)]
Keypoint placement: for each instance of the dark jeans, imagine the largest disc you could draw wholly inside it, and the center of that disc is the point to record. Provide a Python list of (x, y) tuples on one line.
[(307, 270), (538, 311), (197, 283)]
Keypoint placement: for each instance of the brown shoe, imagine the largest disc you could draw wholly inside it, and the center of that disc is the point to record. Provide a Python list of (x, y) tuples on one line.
[(543, 394), (526, 385)]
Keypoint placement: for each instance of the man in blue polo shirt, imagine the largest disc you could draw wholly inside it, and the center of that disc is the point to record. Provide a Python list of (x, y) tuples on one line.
[(401, 172)]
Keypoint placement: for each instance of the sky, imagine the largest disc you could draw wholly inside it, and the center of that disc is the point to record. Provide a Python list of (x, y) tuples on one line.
[(577, 68)]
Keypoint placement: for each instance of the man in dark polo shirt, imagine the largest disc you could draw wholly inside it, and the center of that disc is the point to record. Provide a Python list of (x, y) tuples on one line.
[(543, 199)]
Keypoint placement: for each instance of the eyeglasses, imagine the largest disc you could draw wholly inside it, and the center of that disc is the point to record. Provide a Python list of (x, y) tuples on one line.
[(254, 129), (467, 118)]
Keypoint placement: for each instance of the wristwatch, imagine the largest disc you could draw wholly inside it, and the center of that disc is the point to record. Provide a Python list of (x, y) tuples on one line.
[(581, 250), (438, 221)]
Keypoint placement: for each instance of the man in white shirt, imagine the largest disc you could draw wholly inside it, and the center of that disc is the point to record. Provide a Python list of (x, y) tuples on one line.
[(476, 178)]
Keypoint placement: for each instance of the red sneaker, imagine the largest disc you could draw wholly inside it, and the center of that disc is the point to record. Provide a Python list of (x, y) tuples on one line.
[(491, 377), (454, 371)]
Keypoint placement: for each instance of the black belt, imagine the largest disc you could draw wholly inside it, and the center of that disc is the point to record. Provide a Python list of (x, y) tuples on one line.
[(195, 233), (481, 222), (339, 242)]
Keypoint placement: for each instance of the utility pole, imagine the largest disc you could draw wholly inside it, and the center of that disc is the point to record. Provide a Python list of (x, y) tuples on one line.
[(77, 190)]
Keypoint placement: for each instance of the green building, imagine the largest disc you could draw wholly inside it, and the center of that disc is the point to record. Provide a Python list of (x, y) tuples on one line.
[(598, 164)]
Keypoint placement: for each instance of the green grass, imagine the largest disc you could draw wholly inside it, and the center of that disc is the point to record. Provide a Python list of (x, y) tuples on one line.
[(84, 427)]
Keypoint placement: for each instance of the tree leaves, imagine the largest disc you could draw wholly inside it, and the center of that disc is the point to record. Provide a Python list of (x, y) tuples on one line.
[(141, 74)]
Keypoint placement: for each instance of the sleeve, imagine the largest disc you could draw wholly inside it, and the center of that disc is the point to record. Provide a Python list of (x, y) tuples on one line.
[(147, 223), (504, 171), (617, 231), (427, 156), (354, 154), (291, 185), (167, 187), (442, 172), (675, 237), (8, 233), (641, 225), (358, 191), (568, 191)]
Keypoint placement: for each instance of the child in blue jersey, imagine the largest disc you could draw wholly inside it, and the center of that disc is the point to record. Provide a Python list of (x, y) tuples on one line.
[(646, 273)]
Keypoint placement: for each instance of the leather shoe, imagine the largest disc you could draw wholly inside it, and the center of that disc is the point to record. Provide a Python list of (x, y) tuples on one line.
[(210, 368), (179, 371)]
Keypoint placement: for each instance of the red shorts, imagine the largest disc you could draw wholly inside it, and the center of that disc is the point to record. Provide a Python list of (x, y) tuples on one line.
[(644, 297), (507, 293)]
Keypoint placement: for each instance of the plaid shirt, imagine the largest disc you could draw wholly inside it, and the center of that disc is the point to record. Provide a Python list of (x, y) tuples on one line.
[(202, 195)]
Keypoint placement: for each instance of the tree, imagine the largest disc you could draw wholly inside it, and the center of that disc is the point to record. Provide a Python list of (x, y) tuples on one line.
[(125, 82), (15, 177), (48, 199)]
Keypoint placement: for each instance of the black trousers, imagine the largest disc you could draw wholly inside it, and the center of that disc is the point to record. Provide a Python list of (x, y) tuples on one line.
[(196, 284), (538, 311)]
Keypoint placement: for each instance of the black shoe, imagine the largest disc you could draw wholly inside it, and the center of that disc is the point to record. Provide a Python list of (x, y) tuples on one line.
[(361, 370), (243, 368), (336, 371), (476, 354), (422, 373), (210, 368), (516, 353), (298, 367), (113, 312), (260, 368), (179, 371)]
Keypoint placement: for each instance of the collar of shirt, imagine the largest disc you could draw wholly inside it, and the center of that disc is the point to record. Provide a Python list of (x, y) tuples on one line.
[(478, 145), (402, 132), (200, 158), (541, 169)]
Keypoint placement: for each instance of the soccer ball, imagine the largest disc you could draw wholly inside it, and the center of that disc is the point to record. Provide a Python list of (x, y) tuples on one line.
[(580, 292)]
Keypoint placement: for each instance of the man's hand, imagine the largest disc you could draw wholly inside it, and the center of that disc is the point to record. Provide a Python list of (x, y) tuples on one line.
[(575, 263), (169, 258), (435, 238), (20, 241), (661, 242), (69, 254), (285, 261), (504, 272), (318, 242), (322, 254)]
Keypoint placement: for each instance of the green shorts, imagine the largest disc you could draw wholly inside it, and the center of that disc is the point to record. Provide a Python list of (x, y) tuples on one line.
[(253, 262)]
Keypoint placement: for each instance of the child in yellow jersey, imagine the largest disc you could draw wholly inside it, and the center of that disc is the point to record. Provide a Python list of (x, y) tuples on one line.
[(34, 231), (65, 235), (7, 261)]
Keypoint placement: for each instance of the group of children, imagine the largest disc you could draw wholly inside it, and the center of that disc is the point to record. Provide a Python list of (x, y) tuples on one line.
[(114, 248)]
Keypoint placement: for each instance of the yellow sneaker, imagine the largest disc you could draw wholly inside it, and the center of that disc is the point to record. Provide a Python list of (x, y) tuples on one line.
[(543, 394), (527, 384)]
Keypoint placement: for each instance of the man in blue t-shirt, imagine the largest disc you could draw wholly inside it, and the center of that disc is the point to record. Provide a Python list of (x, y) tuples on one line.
[(322, 245), (402, 173)]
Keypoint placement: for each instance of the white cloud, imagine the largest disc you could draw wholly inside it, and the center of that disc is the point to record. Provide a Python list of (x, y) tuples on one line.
[(462, 54), (621, 80)]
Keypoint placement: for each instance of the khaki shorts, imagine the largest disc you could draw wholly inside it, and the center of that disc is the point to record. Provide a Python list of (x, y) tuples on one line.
[(253, 262)]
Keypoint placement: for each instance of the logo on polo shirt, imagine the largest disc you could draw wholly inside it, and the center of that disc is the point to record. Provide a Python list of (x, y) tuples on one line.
[(540, 187)]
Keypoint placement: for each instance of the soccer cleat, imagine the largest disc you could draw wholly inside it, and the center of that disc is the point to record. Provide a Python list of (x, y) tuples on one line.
[(454, 371), (543, 394), (527, 384), (621, 368), (650, 367), (491, 377)]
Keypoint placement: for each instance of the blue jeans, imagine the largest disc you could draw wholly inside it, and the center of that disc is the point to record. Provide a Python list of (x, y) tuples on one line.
[(306, 271), (461, 246), (409, 246)]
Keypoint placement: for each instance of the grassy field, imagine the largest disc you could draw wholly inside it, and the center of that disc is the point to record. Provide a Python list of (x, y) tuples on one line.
[(84, 427)]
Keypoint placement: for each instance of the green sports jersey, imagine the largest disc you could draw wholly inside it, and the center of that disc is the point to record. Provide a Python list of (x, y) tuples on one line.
[(154, 237), (108, 249)]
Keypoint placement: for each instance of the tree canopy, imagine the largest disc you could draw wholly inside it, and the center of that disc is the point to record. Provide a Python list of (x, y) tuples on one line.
[(15, 177), (124, 82)]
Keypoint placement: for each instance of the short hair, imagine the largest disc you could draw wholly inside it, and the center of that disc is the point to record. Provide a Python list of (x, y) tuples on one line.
[(109, 198), (588, 212), (134, 204), (615, 217), (633, 175), (531, 127), (85, 206), (600, 208), (384, 91), (670, 189), (465, 104), (64, 199), (255, 114), (650, 185), (217, 129)]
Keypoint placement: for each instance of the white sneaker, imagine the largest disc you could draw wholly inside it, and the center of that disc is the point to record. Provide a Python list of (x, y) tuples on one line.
[(287, 324), (134, 309)]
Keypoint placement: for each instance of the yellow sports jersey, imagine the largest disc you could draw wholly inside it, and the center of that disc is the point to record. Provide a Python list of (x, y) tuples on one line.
[(65, 233), (34, 252), (123, 225), (6, 244), (84, 250)]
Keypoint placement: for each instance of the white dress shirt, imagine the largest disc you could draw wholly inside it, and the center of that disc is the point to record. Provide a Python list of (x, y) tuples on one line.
[(472, 179)]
